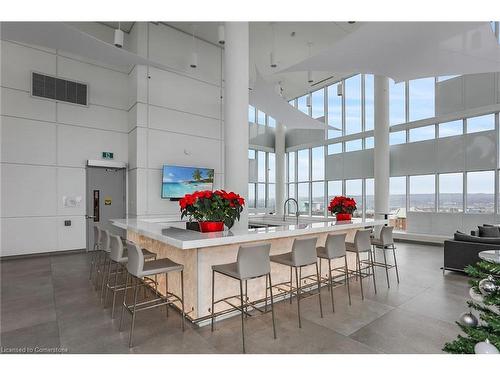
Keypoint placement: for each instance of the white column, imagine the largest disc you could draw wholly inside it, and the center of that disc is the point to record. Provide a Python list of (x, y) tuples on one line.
[(236, 53), (279, 149), (381, 152)]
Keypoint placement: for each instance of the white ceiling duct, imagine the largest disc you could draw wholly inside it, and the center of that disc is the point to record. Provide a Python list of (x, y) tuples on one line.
[(59, 35), (410, 50), (264, 96)]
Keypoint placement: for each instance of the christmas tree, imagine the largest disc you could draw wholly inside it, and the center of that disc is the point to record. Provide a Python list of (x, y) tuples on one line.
[(480, 336)]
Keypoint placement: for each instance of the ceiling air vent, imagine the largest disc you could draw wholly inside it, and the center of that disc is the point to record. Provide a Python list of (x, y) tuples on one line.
[(62, 90)]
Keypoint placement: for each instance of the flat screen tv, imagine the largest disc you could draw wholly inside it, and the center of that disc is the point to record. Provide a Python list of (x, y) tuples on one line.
[(178, 181)]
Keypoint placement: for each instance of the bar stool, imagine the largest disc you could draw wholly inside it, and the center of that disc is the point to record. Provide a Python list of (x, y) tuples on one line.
[(252, 262), (385, 242), (95, 251), (362, 244), (303, 254), (138, 269), (334, 249), (119, 257), (100, 261)]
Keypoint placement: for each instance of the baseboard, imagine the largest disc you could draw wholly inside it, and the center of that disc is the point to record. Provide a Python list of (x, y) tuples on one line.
[(46, 254)]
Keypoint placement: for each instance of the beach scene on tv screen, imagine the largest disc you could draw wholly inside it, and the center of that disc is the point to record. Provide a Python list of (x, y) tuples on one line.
[(178, 181)]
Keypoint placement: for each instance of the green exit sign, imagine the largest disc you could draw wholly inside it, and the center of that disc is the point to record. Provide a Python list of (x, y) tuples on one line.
[(107, 155)]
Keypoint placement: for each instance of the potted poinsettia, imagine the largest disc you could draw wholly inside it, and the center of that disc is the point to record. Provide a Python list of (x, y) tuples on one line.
[(211, 209), (342, 207)]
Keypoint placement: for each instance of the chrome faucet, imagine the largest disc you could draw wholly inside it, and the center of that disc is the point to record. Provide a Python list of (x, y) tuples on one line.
[(296, 211)]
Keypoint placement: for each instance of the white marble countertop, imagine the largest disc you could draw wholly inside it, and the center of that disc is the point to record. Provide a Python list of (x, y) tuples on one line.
[(174, 233)]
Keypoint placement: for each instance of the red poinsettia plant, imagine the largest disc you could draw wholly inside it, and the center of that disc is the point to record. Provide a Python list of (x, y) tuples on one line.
[(342, 205), (212, 206)]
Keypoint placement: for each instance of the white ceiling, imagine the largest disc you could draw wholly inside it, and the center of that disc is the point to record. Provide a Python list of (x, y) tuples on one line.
[(291, 46)]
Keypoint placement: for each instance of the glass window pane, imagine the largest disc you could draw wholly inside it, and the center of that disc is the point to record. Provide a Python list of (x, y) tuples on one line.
[(369, 142), (353, 104), (318, 198), (318, 163), (334, 111), (448, 129), (251, 154), (303, 165), (303, 198), (334, 189), (261, 195), (291, 167), (302, 104), (422, 193), (261, 166), (451, 192), (354, 189), (397, 202), (335, 148), (318, 104), (272, 167), (397, 138), (369, 198), (480, 192), (271, 122), (421, 98), (261, 118), (445, 78), (423, 133), (271, 193), (354, 145), (369, 102), (291, 209), (251, 114), (480, 123), (397, 112), (251, 196)]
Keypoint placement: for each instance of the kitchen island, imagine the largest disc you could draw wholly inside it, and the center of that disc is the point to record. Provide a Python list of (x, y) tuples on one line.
[(199, 251)]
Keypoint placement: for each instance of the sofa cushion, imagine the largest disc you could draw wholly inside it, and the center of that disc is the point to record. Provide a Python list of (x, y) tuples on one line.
[(487, 231), (459, 236)]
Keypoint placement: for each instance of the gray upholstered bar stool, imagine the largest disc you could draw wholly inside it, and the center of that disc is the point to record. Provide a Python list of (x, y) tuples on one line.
[(119, 257), (252, 262), (362, 244), (385, 242), (137, 270), (334, 249), (303, 254)]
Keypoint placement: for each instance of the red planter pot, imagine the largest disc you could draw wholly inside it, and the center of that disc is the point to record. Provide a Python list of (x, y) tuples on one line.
[(343, 217), (211, 226)]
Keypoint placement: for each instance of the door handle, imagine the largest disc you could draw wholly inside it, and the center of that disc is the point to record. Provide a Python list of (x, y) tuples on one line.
[(89, 217)]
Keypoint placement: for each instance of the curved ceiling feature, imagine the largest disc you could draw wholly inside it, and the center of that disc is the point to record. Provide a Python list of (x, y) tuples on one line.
[(264, 96), (410, 50)]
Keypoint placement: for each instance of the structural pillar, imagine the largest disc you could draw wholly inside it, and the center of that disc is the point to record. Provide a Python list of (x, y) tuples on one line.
[(279, 149), (381, 156), (236, 75)]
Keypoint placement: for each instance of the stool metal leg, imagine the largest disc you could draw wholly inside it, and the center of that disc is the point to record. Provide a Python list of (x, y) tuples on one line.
[(373, 272), (358, 267), (114, 293), (291, 286), (330, 283), (182, 300), (136, 290), (108, 281), (319, 290), (104, 278), (242, 315), (246, 298), (347, 279), (396, 263), (166, 290), (297, 282), (213, 312), (124, 300), (272, 304), (385, 266)]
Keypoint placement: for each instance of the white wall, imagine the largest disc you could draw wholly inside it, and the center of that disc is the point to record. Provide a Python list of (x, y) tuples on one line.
[(45, 146), (175, 117)]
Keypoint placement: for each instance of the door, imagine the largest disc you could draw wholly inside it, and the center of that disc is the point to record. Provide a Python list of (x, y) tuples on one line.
[(105, 200)]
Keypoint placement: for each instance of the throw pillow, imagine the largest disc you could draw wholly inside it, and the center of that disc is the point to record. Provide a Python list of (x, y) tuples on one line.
[(489, 231)]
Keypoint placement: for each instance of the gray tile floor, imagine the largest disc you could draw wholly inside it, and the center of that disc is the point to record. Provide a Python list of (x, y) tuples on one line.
[(47, 302)]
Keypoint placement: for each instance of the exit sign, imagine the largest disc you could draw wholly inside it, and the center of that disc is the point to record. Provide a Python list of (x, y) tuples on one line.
[(107, 155)]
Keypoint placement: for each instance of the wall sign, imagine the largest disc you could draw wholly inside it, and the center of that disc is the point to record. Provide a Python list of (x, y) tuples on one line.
[(107, 201), (108, 155)]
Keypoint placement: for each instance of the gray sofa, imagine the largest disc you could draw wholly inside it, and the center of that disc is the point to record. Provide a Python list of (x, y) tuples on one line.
[(464, 248)]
